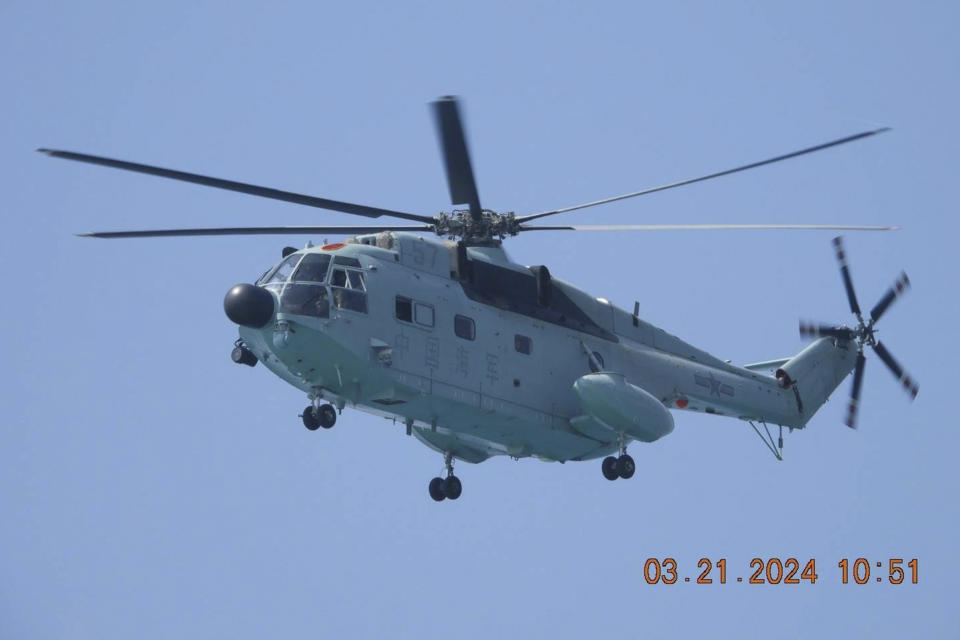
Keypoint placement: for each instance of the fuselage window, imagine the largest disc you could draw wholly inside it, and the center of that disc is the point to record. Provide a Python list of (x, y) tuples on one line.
[(464, 327), (423, 314), (404, 307), (522, 344)]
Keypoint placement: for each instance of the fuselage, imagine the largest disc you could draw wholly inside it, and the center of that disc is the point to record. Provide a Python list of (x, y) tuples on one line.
[(477, 355)]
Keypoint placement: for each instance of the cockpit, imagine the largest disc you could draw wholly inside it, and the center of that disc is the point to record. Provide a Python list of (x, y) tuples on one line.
[(307, 282)]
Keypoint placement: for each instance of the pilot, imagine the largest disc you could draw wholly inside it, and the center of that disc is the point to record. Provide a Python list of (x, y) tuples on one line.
[(321, 304)]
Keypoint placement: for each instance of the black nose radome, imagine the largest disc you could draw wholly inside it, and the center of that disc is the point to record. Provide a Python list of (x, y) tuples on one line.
[(248, 306)]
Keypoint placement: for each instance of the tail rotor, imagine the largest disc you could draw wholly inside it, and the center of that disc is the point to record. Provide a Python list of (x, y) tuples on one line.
[(863, 333)]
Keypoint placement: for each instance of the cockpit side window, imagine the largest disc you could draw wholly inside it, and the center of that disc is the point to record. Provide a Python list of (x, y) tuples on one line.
[(349, 289), (313, 268), (305, 300), (356, 280)]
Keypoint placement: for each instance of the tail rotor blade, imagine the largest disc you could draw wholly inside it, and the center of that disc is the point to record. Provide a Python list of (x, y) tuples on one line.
[(854, 404), (456, 157), (894, 292), (845, 271), (811, 330), (908, 383)]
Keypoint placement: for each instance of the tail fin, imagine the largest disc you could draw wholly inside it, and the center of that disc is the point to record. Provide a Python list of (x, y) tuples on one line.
[(816, 371)]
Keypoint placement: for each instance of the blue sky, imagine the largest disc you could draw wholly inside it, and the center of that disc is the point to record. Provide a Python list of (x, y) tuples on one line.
[(150, 487)]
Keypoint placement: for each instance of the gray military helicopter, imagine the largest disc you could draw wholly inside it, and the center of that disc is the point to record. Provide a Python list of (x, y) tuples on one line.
[(480, 356)]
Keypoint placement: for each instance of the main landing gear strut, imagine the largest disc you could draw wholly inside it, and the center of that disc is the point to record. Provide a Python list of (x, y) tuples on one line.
[(620, 467), (449, 487)]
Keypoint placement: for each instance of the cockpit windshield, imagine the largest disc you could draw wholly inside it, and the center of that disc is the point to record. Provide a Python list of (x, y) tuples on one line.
[(283, 270), (313, 268), (300, 283)]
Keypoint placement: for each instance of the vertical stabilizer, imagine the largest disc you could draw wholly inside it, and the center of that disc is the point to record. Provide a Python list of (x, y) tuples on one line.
[(816, 371)]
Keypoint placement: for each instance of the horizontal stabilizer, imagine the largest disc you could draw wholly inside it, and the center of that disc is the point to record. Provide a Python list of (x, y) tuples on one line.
[(767, 365)]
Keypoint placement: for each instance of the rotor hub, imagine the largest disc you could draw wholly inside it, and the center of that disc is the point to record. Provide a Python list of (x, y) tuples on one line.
[(490, 228), (865, 334)]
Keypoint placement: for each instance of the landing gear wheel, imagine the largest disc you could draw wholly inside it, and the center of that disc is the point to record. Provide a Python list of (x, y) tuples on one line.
[(326, 416), (452, 487), (436, 489), (609, 468), (310, 419), (625, 466)]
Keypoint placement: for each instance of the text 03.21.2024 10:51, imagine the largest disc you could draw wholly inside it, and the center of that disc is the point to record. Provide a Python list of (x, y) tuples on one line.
[(788, 571)]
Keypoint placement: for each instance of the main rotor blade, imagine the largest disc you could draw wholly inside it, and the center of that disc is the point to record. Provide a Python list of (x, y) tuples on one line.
[(456, 157), (672, 185), (811, 330), (705, 227), (245, 231), (894, 292), (845, 272), (908, 383), (854, 404), (242, 187)]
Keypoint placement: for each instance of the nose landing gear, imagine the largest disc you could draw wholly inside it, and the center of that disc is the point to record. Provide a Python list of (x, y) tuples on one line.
[(449, 487)]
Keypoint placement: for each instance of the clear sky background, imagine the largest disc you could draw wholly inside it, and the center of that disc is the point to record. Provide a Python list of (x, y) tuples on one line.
[(151, 488)]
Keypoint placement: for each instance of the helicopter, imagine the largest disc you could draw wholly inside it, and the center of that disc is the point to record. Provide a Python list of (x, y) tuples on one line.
[(434, 326)]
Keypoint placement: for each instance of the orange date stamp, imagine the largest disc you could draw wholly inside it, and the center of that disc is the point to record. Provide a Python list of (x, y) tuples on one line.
[(783, 571)]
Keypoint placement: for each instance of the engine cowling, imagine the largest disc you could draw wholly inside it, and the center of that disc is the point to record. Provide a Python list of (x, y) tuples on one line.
[(623, 407)]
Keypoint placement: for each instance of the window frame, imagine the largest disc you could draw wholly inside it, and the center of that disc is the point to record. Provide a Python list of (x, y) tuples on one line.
[(433, 314)]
